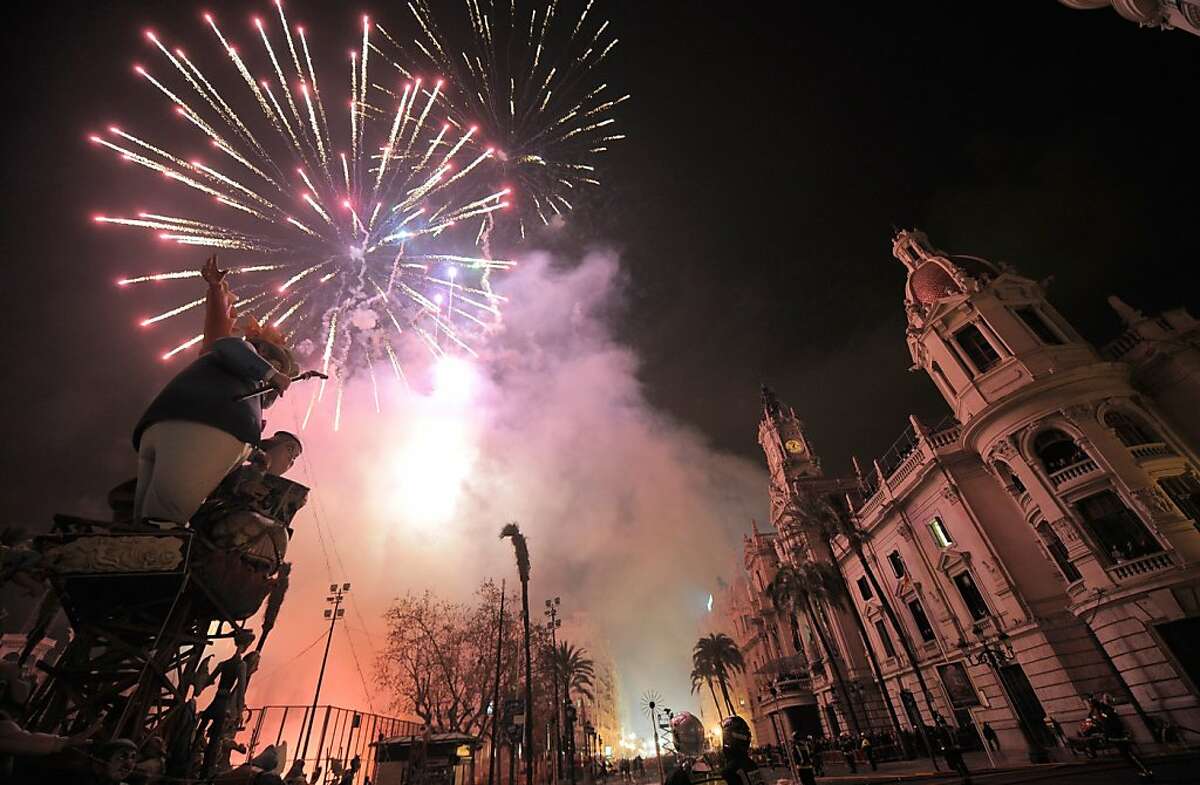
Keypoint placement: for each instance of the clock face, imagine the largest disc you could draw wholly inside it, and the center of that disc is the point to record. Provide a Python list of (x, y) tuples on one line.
[(793, 446)]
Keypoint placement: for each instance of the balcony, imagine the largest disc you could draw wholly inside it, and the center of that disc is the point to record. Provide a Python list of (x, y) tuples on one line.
[(1073, 472), (906, 456), (788, 690), (1150, 451), (1155, 562)]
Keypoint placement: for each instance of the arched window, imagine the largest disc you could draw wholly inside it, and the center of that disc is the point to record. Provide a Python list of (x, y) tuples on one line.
[(1056, 450), (1131, 430)]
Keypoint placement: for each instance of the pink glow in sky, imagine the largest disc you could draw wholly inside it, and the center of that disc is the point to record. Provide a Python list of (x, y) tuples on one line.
[(629, 514)]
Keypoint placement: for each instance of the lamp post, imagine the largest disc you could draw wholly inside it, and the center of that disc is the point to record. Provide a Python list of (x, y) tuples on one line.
[(336, 595), (554, 623), (996, 652), (662, 778)]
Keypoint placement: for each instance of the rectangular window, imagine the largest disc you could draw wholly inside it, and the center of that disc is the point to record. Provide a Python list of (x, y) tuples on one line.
[(971, 596), (897, 563), (941, 535), (921, 620), (977, 348), (888, 648), (1119, 533), (1037, 325), (864, 588), (1184, 490), (1058, 552)]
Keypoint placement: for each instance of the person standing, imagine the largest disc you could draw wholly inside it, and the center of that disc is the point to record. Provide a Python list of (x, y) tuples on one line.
[(804, 756), (947, 740), (1112, 728), (868, 751), (738, 768), (846, 745), (989, 735)]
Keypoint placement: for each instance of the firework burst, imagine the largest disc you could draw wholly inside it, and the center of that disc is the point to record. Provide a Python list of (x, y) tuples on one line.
[(356, 220), (526, 74)]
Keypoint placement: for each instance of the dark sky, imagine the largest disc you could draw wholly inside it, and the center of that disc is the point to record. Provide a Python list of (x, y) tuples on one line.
[(769, 158)]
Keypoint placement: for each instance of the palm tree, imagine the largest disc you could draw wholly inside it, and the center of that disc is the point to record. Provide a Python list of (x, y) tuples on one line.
[(704, 674), (521, 549), (804, 587), (571, 668), (574, 670), (720, 653), (832, 522)]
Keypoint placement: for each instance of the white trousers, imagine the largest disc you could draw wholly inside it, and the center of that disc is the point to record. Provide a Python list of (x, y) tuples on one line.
[(179, 464)]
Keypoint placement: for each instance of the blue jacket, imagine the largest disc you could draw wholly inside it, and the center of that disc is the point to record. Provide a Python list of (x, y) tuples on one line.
[(204, 392)]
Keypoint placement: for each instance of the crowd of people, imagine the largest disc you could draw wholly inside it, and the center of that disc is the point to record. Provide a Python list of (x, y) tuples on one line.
[(808, 756)]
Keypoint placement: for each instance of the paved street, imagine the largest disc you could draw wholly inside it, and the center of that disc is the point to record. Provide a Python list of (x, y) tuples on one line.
[(1167, 769)]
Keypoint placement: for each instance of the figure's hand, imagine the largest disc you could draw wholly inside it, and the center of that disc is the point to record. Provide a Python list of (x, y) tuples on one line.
[(280, 382), (79, 738), (211, 273)]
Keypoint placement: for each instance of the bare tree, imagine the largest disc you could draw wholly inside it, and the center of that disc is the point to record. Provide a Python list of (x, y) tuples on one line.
[(439, 658)]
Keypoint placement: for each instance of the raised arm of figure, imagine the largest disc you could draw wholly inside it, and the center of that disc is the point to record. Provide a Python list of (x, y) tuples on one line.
[(219, 311)]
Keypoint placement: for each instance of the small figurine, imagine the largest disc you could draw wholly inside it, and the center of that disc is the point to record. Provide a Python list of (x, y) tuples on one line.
[(152, 762), (15, 741), (226, 707)]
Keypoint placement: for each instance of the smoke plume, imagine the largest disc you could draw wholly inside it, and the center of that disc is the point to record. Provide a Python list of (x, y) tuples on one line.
[(630, 515)]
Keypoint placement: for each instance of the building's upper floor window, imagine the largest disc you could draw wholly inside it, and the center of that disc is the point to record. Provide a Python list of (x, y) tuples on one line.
[(864, 588), (1130, 430), (979, 351), (897, 562), (941, 535), (1057, 450), (1184, 490), (971, 596), (885, 639), (1038, 325), (1009, 476), (1058, 552), (924, 628), (1118, 532), (940, 376)]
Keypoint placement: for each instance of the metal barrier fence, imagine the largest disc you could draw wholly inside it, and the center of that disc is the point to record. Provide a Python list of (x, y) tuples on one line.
[(336, 737)]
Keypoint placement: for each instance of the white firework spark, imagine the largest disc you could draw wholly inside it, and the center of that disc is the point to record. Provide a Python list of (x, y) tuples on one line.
[(349, 237), (526, 73)]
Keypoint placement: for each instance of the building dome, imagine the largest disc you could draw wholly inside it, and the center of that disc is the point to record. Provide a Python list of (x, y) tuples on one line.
[(930, 282)]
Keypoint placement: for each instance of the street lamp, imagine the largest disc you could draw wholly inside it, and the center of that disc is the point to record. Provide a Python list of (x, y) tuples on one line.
[(996, 652), (554, 623)]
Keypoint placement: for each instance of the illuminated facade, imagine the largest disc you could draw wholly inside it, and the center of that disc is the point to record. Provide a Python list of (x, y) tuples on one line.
[(1052, 519), (603, 712), (1165, 14)]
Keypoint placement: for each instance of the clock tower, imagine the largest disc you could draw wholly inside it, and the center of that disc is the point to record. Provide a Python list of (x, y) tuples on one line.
[(781, 433), (797, 478)]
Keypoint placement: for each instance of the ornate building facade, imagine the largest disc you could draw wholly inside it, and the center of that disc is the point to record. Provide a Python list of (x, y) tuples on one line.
[(1040, 545), (1164, 14)]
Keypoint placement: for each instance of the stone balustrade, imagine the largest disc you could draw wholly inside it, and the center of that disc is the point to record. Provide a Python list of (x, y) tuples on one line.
[(1073, 472), (1155, 562), (1144, 452)]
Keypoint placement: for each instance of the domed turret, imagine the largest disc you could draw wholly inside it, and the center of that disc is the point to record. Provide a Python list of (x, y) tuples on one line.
[(934, 275)]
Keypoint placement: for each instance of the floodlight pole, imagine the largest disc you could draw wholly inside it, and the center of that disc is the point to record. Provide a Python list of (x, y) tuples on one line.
[(336, 593)]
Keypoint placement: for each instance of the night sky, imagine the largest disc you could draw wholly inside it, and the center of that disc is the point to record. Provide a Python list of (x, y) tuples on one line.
[(769, 158)]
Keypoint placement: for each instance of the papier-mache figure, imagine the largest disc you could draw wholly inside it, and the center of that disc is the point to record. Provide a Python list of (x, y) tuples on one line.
[(197, 430), (225, 710), (20, 564), (15, 741), (692, 767)]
